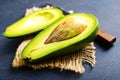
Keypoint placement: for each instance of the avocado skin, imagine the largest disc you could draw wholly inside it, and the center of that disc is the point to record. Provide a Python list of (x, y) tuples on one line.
[(31, 24), (36, 50)]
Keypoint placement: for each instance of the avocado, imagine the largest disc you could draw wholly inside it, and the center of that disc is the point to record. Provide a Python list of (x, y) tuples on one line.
[(69, 34), (33, 22)]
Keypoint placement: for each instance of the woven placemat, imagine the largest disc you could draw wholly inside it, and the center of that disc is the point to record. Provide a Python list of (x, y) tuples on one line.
[(73, 62)]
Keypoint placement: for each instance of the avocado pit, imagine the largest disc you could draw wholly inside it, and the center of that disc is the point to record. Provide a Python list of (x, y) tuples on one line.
[(66, 30)]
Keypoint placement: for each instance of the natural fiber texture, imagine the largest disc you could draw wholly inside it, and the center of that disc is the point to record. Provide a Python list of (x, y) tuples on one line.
[(73, 62)]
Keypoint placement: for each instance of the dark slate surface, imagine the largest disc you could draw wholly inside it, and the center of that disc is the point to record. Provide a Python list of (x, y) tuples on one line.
[(108, 59)]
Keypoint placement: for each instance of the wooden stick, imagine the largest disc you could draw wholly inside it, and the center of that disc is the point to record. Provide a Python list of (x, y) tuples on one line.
[(106, 37)]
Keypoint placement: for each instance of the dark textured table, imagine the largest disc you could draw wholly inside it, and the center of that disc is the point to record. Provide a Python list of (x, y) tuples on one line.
[(108, 58)]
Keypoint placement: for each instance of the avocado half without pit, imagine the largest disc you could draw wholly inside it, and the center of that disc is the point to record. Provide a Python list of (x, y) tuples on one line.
[(33, 22), (69, 34)]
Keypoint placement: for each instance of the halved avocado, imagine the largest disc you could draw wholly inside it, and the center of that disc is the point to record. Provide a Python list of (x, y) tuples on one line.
[(44, 46), (33, 22)]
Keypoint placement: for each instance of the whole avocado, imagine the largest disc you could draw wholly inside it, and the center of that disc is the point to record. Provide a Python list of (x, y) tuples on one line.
[(69, 34)]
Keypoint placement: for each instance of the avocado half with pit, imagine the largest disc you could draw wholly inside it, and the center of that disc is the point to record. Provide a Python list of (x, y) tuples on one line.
[(33, 22), (69, 34)]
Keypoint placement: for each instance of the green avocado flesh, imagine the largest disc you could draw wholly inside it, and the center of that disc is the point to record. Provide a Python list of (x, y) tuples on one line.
[(33, 22), (71, 33)]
